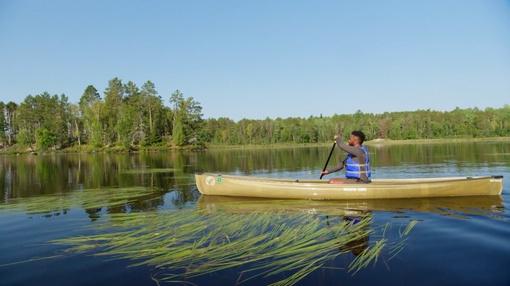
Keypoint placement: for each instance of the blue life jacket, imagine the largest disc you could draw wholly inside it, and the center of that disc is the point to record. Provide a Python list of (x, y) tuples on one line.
[(353, 170)]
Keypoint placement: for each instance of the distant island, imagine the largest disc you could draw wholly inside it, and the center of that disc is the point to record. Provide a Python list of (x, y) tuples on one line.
[(131, 118)]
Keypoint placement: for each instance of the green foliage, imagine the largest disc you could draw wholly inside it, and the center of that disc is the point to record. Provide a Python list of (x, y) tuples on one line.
[(188, 123), (178, 134), (96, 126), (44, 112), (124, 126), (76, 125), (113, 97), (90, 95), (153, 111), (44, 139), (90, 109), (24, 137)]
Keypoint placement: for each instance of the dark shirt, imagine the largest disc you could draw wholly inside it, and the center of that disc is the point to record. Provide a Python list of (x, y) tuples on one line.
[(359, 158)]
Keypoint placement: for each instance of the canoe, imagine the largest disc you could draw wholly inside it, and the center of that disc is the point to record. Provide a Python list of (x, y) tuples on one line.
[(248, 186)]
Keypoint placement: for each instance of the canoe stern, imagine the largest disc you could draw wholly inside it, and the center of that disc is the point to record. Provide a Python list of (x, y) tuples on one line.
[(496, 183)]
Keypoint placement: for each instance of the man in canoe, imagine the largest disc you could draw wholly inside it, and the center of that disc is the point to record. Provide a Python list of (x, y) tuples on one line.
[(356, 163)]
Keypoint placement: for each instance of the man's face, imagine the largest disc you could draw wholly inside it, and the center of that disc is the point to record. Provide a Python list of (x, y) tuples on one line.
[(353, 140)]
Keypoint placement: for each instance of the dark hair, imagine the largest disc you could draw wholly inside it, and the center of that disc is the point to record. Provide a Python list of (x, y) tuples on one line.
[(360, 135)]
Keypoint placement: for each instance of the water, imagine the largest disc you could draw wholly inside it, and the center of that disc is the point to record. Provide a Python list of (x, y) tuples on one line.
[(456, 241)]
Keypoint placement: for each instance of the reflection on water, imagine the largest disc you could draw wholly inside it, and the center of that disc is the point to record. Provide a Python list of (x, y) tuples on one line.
[(144, 210), (93, 201), (480, 205), (357, 247)]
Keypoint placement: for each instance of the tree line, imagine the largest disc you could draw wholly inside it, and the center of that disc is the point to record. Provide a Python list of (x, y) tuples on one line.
[(129, 116), (420, 124), (126, 115)]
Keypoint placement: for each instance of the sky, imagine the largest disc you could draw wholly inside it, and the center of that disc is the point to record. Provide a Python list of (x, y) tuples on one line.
[(262, 58)]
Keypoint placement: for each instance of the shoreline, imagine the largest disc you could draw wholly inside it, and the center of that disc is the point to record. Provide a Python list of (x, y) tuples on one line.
[(85, 149), (387, 142), (373, 143)]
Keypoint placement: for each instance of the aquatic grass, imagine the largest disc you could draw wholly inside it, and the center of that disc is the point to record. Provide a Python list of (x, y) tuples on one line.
[(368, 255), (30, 260), (184, 244), (148, 171), (84, 198), (409, 227), (398, 246)]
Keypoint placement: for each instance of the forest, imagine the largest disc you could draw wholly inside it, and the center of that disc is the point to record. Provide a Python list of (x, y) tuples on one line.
[(130, 117)]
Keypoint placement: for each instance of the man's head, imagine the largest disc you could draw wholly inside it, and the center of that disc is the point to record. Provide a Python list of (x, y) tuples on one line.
[(356, 138)]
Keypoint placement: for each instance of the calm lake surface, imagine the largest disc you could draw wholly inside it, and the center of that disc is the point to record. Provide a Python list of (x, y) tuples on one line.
[(108, 219)]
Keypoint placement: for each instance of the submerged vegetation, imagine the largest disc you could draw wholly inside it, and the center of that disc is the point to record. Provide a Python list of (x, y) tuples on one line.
[(85, 198), (149, 171), (282, 247), (128, 117)]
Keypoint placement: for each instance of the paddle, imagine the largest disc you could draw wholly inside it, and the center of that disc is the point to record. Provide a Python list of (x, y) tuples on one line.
[(327, 161)]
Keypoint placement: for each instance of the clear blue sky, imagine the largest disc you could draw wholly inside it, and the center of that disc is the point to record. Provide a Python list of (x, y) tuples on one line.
[(265, 58)]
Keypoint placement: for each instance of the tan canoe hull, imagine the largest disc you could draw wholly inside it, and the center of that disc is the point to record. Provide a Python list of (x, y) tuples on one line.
[(246, 186)]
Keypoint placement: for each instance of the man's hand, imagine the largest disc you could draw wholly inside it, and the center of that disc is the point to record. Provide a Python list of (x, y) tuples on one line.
[(337, 136), (325, 172)]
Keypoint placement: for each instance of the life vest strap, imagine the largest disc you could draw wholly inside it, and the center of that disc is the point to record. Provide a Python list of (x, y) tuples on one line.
[(358, 172)]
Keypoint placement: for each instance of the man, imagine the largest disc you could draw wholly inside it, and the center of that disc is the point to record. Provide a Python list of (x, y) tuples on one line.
[(357, 162)]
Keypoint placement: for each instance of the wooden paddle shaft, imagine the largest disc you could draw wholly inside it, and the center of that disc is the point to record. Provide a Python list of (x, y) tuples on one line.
[(327, 161)]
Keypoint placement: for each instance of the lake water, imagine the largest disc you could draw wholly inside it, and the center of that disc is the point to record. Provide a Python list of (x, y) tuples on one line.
[(138, 219)]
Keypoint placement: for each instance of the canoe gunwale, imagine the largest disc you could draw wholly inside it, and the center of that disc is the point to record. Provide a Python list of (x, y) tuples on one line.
[(379, 182)]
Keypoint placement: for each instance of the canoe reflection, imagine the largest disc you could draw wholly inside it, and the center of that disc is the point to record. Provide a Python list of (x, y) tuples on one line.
[(356, 247), (479, 205)]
